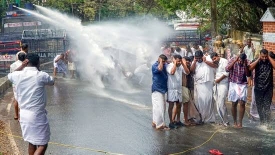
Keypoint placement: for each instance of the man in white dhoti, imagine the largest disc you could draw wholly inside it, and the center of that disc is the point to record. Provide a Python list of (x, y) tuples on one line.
[(221, 87), (238, 73), (59, 64), (30, 86), (174, 94), (13, 67), (159, 89), (204, 79)]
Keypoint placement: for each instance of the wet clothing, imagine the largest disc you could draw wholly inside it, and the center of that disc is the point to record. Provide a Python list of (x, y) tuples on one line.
[(159, 79), (159, 88), (220, 94), (204, 100), (253, 107), (237, 74), (13, 67), (221, 90), (158, 103), (174, 83), (263, 89), (60, 65), (204, 79), (237, 92), (263, 76), (31, 94)]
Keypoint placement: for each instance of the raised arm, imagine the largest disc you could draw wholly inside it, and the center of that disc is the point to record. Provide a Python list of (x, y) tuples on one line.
[(272, 61), (193, 66), (209, 63), (231, 64), (253, 64), (24, 64), (183, 62), (174, 68)]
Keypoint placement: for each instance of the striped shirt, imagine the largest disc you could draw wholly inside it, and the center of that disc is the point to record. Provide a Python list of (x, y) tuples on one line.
[(237, 74)]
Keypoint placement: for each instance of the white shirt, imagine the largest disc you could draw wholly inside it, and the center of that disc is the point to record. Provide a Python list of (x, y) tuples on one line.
[(15, 65), (175, 81), (203, 73), (30, 87), (220, 71), (194, 50), (16, 56), (249, 53), (182, 53)]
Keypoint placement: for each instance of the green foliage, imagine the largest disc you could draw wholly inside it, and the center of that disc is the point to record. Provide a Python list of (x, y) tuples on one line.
[(238, 14)]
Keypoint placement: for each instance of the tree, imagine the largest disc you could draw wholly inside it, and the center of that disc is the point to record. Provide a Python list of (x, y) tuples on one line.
[(237, 14)]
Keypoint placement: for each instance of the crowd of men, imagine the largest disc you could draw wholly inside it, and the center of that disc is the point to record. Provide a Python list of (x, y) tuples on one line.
[(205, 81)]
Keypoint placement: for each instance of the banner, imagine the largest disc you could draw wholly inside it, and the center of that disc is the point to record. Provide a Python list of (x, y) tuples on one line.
[(47, 54), (20, 24), (7, 57)]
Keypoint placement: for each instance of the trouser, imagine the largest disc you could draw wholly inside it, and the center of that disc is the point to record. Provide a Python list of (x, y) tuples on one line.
[(263, 102)]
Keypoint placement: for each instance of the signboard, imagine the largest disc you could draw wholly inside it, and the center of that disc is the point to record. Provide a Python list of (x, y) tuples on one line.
[(269, 37), (7, 57), (47, 54), (20, 24)]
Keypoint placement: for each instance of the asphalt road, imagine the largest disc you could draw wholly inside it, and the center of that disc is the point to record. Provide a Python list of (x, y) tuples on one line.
[(85, 121)]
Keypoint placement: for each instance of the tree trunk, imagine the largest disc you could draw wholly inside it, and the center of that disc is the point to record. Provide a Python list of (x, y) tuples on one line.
[(214, 27)]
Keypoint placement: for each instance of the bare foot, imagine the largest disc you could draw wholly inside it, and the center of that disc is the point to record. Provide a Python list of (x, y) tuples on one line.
[(240, 126), (186, 123), (163, 128), (153, 125)]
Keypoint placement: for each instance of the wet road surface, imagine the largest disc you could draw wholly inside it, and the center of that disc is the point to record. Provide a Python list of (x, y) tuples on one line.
[(86, 121)]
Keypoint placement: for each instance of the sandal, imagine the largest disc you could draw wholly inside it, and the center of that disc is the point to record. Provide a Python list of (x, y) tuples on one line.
[(215, 152)]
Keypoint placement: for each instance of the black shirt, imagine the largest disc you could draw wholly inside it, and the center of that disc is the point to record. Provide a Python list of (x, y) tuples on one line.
[(263, 75)]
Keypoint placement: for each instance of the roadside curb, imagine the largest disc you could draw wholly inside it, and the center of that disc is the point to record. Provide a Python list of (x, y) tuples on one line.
[(5, 105), (4, 85)]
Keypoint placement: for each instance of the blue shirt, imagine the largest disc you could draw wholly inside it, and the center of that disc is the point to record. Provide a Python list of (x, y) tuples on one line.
[(159, 79)]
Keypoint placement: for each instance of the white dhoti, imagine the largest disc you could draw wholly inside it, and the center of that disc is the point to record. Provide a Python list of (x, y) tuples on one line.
[(220, 94), (35, 127), (253, 107), (71, 66), (174, 95), (60, 66), (237, 92), (158, 103), (204, 101)]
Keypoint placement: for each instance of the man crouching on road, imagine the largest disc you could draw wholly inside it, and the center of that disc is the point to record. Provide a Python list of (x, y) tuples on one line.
[(30, 86)]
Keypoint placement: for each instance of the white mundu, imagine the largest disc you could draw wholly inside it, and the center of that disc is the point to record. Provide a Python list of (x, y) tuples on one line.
[(174, 83), (204, 78), (221, 90), (31, 95)]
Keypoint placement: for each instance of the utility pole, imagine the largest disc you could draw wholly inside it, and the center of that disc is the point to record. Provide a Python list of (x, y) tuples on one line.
[(214, 25)]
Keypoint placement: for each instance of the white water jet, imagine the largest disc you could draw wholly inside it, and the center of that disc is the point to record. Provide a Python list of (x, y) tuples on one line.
[(104, 49)]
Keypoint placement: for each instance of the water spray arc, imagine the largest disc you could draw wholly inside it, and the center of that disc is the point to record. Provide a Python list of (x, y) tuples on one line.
[(110, 50)]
